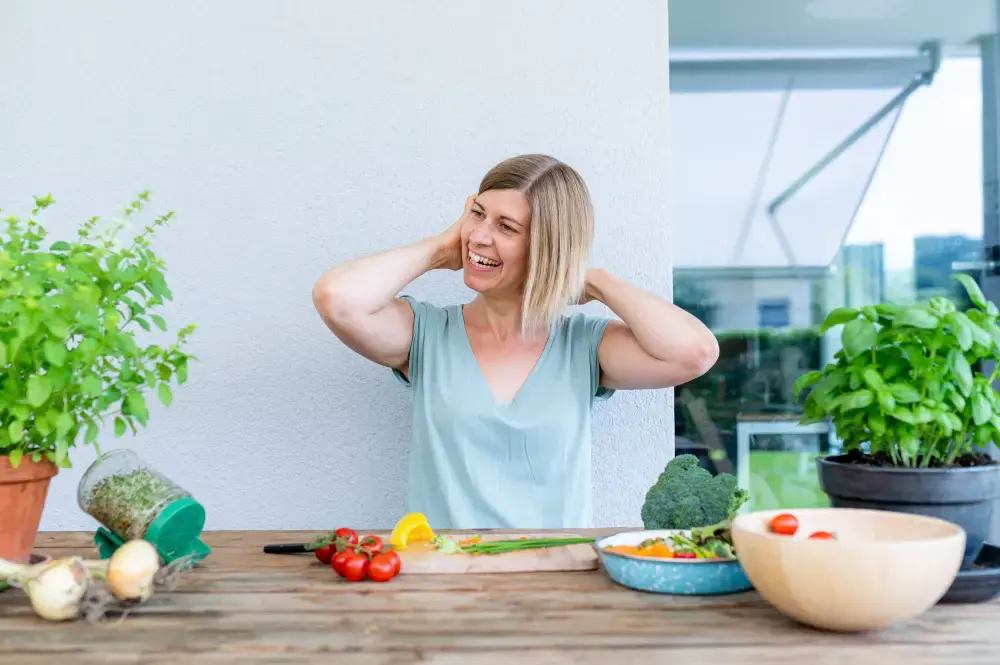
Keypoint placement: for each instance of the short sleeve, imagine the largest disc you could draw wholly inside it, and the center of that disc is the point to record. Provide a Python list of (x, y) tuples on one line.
[(595, 327), (415, 363)]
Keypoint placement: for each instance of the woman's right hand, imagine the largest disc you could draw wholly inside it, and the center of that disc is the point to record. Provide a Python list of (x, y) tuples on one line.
[(451, 256)]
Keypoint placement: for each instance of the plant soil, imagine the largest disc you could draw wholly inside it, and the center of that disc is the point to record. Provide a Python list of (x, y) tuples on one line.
[(885, 461)]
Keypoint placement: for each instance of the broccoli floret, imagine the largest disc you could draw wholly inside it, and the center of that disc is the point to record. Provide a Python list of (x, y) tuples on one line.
[(686, 496)]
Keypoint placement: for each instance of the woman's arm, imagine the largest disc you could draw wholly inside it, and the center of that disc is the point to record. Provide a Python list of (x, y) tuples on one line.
[(655, 345), (357, 300)]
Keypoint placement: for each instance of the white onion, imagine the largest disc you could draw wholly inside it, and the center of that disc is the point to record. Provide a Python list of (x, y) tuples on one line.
[(132, 569), (57, 589)]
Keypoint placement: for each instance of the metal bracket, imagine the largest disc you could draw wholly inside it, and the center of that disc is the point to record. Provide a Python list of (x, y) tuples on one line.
[(990, 265), (933, 51)]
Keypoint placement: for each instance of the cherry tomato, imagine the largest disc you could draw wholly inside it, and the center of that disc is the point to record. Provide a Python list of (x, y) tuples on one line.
[(397, 562), (785, 524), (823, 535), (355, 567), (382, 568), (324, 554), (345, 535), (373, 544), (684, 555), (339, 559)]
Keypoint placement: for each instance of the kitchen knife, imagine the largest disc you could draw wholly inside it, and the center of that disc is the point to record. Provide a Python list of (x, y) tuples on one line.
[(288, 548)]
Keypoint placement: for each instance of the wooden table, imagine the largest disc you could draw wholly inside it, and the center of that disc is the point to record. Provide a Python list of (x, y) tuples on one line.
[(242, 606)]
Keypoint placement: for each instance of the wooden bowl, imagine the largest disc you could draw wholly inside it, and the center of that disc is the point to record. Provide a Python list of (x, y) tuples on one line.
[(883, 567)]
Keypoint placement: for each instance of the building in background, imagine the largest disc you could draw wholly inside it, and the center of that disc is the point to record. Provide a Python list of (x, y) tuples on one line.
[(863, 267), (935, 259)]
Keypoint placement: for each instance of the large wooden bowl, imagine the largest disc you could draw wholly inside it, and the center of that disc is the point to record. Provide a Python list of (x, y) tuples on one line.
[(883, 567)]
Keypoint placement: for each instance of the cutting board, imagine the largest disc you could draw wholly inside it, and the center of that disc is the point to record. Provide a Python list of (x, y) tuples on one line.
[(423, 558)]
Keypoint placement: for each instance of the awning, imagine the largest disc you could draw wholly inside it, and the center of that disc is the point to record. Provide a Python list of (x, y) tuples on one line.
[(771, 158)]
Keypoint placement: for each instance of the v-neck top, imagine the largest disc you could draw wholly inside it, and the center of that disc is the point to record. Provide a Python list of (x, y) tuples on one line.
[(476, 463)]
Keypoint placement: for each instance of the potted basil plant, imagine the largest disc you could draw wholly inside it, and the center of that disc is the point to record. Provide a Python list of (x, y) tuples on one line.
[(910, 397), (70, 360)]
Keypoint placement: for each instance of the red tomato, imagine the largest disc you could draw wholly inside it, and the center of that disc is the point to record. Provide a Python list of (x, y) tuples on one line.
[(684, 555), (823, 535), (785, 524), (397, 562), (324, 554), (337, 563), (355, 567), (382, 568), (346, 535), (373, 544)]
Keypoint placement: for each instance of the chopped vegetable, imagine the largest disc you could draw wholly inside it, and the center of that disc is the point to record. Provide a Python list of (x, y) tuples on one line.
[(410, 528), (712, 542), (686, 496), (446, 544), (520, 544)]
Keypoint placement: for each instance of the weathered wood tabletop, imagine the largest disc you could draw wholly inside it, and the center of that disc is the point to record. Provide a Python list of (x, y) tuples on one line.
[(243, 606)]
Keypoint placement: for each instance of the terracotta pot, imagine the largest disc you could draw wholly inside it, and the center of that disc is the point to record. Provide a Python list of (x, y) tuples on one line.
[(22, 498)]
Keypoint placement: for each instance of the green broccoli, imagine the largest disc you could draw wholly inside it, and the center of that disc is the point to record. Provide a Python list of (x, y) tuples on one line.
[(686, 496)]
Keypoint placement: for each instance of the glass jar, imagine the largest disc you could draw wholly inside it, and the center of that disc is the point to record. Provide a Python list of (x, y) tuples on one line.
[(125, 494)]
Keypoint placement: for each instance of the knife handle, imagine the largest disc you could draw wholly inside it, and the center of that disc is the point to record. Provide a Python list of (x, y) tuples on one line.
[(285, 549)]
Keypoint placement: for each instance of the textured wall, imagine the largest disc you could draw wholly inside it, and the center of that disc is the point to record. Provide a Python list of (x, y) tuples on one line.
[(292, 136)]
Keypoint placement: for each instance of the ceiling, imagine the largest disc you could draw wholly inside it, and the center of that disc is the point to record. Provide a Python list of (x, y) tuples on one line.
[(812, 25)]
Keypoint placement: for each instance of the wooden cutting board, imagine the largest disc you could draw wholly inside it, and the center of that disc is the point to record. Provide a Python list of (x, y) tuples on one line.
[(422, 558)]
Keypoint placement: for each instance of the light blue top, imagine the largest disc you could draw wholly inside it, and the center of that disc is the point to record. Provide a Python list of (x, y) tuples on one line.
[(476, 463)]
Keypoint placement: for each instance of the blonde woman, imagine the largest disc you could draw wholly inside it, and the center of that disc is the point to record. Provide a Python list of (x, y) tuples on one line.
[(503, 385)]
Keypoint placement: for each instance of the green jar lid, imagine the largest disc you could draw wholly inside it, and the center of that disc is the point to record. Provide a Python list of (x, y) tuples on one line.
[(177, 527)]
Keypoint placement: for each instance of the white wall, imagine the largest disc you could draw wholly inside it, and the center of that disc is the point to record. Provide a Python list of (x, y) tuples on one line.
[(292, 136)]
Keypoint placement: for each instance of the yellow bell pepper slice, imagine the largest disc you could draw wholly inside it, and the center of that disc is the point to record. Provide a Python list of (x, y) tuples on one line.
[(410, 528)]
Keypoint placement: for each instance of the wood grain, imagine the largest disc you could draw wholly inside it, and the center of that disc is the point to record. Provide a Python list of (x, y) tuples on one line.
[(242, 606), (424, 559)]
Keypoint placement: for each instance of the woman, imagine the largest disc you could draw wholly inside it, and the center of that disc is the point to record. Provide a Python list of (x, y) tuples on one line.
[(503, 385)]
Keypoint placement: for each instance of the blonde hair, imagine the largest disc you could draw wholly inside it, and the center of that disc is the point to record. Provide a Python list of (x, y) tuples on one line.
[(562, 229)]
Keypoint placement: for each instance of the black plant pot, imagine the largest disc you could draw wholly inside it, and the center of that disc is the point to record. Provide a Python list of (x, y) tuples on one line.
[(964, 496)]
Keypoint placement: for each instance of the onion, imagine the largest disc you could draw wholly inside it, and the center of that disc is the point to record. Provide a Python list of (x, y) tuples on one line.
[(132, 570), (57, 588)]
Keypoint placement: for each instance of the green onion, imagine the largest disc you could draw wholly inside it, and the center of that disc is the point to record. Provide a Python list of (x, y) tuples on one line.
[(503, 546)]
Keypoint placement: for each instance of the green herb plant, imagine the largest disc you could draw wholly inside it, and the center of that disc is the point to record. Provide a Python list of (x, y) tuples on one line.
[(904, 382), (69, 355)]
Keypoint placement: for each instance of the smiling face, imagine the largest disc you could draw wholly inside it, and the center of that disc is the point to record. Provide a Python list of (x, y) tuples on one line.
[(495, 239)]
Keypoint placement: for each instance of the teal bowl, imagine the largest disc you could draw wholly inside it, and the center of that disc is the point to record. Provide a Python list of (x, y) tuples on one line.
[(688, 577)]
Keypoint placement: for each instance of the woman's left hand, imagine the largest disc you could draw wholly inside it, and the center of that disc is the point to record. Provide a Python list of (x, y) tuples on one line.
[(655, 345)]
